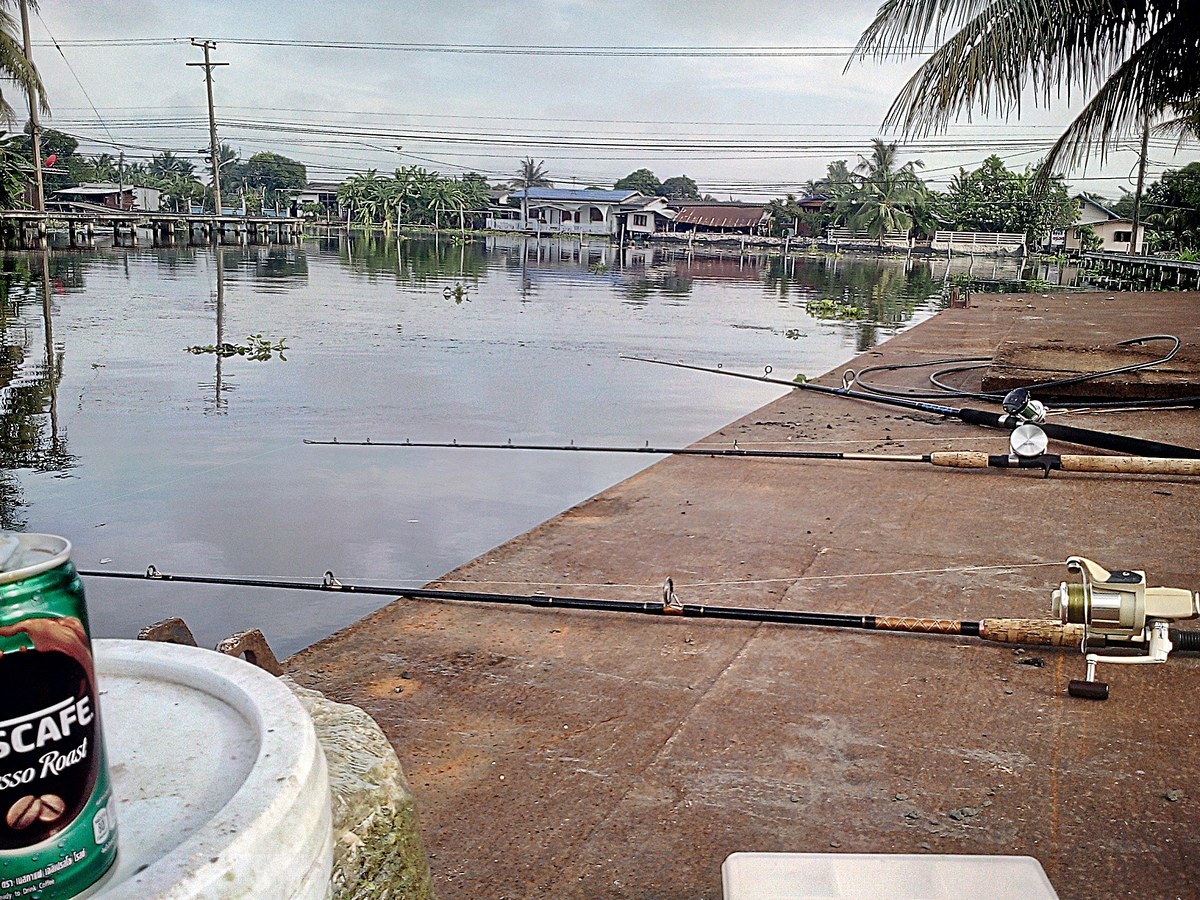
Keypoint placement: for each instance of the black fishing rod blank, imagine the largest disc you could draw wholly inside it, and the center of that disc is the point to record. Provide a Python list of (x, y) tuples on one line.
[(1106, 609), (1085, 437), (1037, 632), (1045, 462)]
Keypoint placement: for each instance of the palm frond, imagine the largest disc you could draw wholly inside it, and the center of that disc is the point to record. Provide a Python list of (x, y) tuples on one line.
[(1132, 93), (994, 53)]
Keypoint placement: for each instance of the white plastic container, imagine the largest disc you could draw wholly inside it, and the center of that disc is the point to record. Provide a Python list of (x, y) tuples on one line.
[(220, 783), (866, 876)]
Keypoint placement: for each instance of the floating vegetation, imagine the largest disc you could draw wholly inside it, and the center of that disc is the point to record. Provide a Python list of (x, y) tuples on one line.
[(827, 308), (256, 347), (458, 292), (598, 268), (794, 334)]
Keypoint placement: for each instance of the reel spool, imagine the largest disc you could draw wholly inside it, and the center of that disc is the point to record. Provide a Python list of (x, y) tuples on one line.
[(1118, 606), (1028, 441), (1021, 406)]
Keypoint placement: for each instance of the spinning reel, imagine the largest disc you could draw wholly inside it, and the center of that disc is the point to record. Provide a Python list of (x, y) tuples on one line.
[(1117, 607)]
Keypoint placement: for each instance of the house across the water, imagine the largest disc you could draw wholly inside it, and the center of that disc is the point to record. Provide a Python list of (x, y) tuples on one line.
[(580, 211), (112, 196), (323, 193), (1115, 232), (721, 218)]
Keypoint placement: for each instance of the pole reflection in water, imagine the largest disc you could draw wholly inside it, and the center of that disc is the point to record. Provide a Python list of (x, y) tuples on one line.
[(219, 402), (53, 372)]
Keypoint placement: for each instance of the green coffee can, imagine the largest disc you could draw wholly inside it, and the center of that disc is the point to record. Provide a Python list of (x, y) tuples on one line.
[(58, 833)]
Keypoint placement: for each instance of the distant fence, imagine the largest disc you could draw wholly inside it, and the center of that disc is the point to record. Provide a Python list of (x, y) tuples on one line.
[(847, 237), (978, 242)]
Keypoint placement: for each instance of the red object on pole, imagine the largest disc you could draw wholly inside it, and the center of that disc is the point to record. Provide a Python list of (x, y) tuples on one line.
[(51, 159)]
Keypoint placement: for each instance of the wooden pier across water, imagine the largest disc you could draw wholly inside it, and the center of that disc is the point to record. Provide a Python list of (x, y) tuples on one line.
[(1123, 272), (30, 228)]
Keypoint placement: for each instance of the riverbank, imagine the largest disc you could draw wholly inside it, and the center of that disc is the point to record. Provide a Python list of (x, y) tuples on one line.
[(567, 754)]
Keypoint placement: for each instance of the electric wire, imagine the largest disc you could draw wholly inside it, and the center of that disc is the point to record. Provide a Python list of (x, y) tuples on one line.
[(958, 365), (74, 74)]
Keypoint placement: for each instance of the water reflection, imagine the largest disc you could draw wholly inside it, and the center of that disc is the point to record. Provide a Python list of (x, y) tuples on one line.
[(170, 466), (29, 429)]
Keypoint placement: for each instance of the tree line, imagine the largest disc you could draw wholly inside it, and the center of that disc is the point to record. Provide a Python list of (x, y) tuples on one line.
[(266, 179), (880, 197)]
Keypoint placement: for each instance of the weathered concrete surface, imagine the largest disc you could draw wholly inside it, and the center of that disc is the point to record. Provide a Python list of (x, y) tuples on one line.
[(559, 754), (377, 850), (1023, 361)]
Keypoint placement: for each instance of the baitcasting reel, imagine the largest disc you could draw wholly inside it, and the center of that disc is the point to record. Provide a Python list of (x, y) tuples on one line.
[(1022, 408), (1117, 607), (1026, 414)]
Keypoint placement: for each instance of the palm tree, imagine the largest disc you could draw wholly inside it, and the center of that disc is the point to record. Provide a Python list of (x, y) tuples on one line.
[(165, 164), (881, 163), (531, 174), (14, 171), (15, 67), (104, 167), (886, 206), (884, 198), (1138, 59)]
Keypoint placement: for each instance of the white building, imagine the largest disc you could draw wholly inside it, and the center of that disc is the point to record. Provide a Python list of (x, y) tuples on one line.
[(581, 212), (1115, 232), (114, 196)]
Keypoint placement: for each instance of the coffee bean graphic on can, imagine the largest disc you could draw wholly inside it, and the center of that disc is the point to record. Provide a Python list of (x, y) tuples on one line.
[(24, 812), (52, 807)]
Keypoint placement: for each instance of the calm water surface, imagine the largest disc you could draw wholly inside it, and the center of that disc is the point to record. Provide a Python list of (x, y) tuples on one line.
[(142, 453)]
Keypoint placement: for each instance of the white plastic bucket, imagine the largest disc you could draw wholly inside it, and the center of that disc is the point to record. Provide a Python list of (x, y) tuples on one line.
[(220, 783)]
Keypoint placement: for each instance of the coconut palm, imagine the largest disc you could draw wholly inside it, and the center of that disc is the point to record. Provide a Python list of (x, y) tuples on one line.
[(14, 66), (104, 167), (1137, 59), (166, 164), (883, 198), (531, 174)]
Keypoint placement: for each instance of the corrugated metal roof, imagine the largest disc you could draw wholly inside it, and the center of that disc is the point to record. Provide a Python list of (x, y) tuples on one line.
[(95, 188), (721, 216), (583, 195)]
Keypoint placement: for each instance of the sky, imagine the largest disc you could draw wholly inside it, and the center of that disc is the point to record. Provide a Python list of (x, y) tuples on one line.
[(746, 126)]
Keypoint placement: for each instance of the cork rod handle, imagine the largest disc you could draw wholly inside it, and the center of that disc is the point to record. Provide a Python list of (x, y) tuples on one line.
[(959, 459), (1041, 632), (1133, 465)]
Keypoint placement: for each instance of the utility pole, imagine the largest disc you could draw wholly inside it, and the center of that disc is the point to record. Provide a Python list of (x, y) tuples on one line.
[(1137, 198), (212, 119), (35, 126)]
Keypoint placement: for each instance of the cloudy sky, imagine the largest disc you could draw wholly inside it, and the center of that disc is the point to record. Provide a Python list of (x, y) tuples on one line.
[(741, 125)]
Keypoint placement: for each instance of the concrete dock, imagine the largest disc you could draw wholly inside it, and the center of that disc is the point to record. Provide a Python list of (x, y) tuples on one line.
[(576, 754)]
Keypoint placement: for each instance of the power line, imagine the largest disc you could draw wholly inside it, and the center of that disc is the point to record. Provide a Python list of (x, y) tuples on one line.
[(71, 69), (635, 51)]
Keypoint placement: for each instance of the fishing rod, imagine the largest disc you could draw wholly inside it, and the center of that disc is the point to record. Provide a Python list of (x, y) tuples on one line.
[(1019, 410), (1106, 609), (1043, 632), (1046, 462)]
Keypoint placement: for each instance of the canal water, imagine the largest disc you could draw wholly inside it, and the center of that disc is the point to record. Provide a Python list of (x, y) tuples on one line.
[(124, 431)]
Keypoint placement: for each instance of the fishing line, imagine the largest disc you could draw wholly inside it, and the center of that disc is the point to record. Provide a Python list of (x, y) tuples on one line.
[(1028, 452), (1045, 632), (647, 585)]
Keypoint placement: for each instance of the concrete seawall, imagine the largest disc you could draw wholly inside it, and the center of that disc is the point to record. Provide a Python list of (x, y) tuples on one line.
[(564, 754)]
